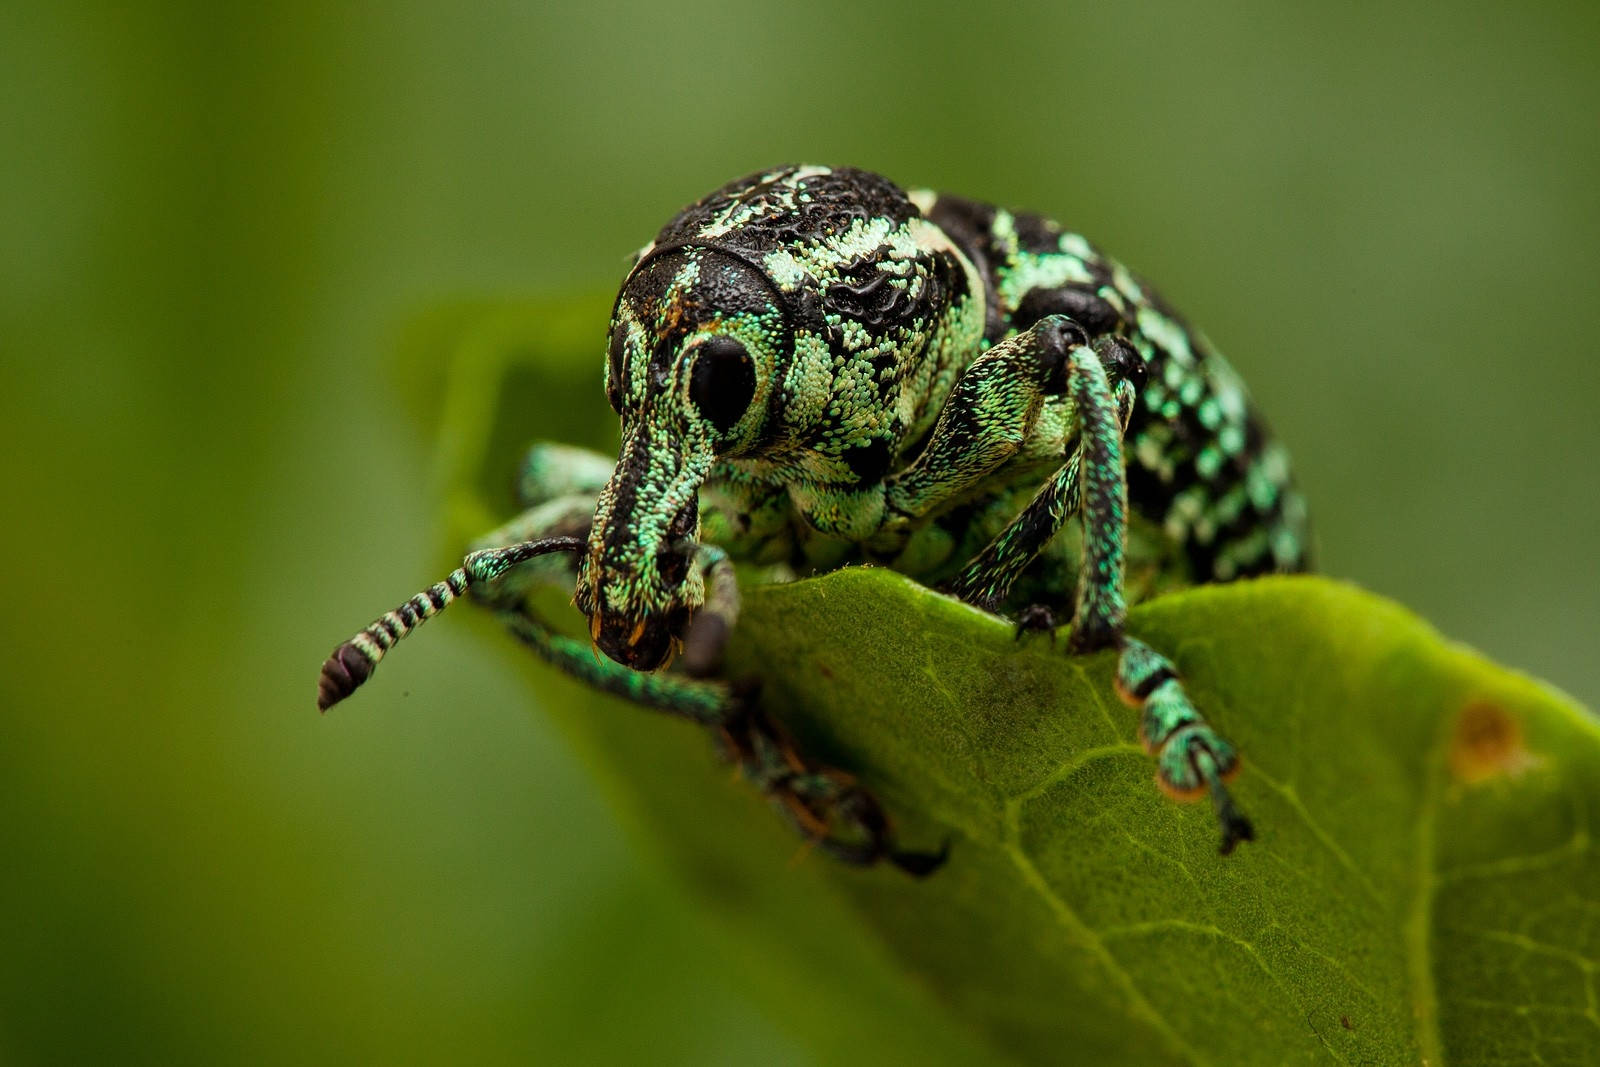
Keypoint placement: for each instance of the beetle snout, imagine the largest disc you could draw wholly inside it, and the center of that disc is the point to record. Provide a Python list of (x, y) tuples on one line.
[(642, 644)]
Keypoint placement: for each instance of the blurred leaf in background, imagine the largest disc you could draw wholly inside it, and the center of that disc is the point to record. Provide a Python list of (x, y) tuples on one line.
[(215, 223)]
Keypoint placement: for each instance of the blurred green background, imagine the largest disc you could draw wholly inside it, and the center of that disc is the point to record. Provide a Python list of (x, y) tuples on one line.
[(216, 222)]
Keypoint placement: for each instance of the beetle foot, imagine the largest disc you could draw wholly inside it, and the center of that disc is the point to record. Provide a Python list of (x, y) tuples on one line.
[(1036, 618)]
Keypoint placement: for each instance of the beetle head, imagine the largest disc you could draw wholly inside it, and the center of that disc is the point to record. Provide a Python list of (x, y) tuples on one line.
[(695, 337)]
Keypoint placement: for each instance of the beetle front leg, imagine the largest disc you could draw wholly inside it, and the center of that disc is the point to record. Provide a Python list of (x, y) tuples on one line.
[(987, 419), (825, 805), (1192, 759), (989, 576), (707, 702), (550, 470)]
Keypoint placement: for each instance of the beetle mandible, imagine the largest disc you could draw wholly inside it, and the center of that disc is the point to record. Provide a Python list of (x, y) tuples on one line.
[(815, 368)]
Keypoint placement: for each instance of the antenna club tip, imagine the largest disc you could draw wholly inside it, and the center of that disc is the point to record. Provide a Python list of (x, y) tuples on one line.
[(342, 675)]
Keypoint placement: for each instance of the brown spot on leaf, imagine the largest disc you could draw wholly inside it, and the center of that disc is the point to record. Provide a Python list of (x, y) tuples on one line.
[(1344, 1021), (1487, 744)]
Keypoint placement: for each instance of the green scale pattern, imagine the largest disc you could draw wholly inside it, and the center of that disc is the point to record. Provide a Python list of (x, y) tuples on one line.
[(1203, 468)]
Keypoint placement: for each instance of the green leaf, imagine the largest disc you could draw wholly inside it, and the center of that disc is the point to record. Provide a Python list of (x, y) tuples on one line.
[(1424, 886)]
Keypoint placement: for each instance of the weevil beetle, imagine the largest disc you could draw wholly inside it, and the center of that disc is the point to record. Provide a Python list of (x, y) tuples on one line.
[(815, 368)]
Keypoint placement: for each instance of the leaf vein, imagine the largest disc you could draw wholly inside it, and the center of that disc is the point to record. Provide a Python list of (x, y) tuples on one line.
[(1155, 926), (1574, 847), (1086, 939), (1290, 797), (1417, 931)]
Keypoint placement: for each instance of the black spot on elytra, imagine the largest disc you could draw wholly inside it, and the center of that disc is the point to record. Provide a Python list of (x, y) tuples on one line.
[(969, 220), (1151, 496), (1036, 234)]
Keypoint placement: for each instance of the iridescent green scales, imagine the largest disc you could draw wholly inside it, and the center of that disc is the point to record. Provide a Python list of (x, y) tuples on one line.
[(813, 368)]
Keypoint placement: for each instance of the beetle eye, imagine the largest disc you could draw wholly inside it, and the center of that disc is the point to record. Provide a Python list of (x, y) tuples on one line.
[(722, 382)]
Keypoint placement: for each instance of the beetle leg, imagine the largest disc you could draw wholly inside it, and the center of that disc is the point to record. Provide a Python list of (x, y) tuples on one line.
[(1193, 760), (550, 470), (988, 417), (1036, 619), (706, 702), (826, 805), (713, 622), (989, 576)]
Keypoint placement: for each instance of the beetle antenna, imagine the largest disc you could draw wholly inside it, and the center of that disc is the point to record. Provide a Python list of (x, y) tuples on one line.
[(353, 662)]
